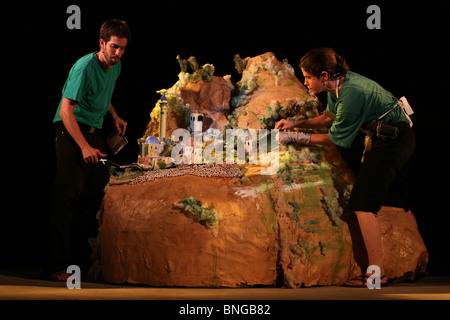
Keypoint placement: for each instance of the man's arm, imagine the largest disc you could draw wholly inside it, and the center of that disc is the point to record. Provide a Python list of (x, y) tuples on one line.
[(321, 121), (90, 155), (322, 139), (120, 124)]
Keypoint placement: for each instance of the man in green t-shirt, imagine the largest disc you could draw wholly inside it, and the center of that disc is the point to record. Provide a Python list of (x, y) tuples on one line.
[(80, 177)]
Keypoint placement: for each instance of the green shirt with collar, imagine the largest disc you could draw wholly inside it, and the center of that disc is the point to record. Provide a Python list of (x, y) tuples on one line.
[(360, 100), (91, 87)]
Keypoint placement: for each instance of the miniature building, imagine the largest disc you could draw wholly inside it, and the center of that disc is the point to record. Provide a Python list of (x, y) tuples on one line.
[(151, 148), (187, 151), (156, 162), (250, 145), (196, 122)]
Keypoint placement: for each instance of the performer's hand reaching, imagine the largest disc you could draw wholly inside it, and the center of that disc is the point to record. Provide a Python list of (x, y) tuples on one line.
[(284, 124)]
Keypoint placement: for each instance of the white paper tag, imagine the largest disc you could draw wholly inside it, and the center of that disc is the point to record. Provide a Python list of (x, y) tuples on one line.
[(405, 105)]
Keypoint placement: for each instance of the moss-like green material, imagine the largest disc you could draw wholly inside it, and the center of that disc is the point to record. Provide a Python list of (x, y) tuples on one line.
[(206, 216)]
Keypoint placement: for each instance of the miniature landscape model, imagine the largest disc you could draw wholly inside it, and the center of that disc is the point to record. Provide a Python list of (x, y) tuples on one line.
[(191, 216)]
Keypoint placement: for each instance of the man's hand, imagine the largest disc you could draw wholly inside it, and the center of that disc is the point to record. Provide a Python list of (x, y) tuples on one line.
[(284, 124), (91, 155), (120, 125)]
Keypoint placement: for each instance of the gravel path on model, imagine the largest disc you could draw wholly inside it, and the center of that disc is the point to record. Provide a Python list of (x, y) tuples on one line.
[(223, 171)]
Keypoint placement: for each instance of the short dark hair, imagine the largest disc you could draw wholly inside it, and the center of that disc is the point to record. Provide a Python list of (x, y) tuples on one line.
[(115, 27), (324, 59)]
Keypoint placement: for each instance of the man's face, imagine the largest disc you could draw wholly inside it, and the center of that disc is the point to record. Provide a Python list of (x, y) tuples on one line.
[(113, 49), (312, 82)]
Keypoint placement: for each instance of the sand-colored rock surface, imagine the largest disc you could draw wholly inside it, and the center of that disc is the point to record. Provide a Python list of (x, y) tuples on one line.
[(147, 239), (260, 239)]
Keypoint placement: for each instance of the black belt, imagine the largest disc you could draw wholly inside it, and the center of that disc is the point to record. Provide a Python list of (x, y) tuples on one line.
[(384, 130), (381, 130), (89, 129), (84, 128)]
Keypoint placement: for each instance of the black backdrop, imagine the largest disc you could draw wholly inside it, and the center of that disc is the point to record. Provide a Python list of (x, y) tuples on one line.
[(407, 56)]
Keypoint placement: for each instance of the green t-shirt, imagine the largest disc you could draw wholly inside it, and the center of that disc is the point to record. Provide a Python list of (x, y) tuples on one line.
[(360, 100), (91, 87)]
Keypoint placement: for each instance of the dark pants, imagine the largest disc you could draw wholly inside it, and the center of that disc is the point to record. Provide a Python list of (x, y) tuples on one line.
[(77, 198), (383, 177)]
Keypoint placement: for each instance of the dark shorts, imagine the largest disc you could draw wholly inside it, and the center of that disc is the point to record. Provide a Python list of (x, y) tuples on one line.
[(382, 178)]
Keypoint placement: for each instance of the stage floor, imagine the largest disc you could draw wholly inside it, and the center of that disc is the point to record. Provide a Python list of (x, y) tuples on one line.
[(25, 285)]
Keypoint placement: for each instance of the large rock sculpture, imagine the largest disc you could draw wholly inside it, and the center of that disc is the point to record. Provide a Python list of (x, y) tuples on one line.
[(229, 226)]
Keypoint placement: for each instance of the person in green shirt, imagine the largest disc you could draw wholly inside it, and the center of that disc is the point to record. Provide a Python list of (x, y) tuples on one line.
[(80, 177), (86, 96), (354, 101)]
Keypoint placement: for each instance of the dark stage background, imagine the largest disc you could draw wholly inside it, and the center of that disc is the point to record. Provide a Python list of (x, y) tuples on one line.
[(407, 56)]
